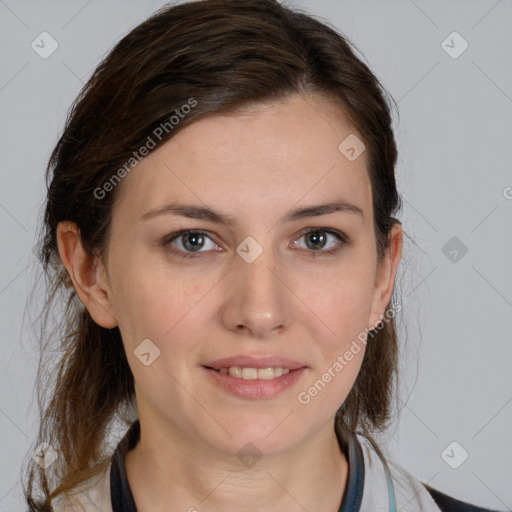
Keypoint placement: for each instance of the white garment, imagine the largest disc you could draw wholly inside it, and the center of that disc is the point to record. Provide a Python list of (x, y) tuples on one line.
[(409, 492)]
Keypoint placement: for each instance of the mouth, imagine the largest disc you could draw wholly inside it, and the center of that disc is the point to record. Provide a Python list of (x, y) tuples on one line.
[(255, 378), (250, 373)]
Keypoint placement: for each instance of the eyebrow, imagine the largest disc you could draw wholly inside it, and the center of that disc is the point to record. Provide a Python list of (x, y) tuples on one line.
[(204, 213)]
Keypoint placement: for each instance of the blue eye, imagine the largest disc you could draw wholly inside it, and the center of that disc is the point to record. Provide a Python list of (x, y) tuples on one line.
[(190, 243)]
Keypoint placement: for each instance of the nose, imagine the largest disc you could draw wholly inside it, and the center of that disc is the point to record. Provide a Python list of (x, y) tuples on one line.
[(257, 300)]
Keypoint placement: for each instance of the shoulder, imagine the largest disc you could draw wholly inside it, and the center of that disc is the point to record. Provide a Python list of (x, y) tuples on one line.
[(444, 502), (411, 494), (91, 496), (449, 504)]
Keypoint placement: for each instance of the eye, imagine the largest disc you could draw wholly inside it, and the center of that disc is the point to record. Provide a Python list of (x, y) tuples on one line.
[(186, 243), (319, 241), (322, 241)]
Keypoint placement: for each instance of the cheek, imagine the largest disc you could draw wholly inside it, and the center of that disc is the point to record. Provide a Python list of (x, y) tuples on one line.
[(341, 302), (342, 307), (330, 381), (150, 302), (152, 305)]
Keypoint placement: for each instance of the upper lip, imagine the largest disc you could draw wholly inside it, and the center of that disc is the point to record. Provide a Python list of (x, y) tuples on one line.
[(255, 362)]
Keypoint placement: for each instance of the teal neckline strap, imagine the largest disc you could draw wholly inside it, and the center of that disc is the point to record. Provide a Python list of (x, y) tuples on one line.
[(391, 489), (389, 481)]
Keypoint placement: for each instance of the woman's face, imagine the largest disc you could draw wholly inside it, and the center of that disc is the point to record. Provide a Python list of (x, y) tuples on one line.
[(253, 286)]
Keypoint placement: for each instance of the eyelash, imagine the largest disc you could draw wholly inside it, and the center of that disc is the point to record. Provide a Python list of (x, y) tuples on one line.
[(339, 235)]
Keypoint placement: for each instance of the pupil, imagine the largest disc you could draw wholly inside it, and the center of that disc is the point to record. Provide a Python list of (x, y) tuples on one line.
[(317, 239), (193, 241)]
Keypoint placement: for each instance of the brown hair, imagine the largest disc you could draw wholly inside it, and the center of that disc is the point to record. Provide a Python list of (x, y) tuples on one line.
[(222, 54)]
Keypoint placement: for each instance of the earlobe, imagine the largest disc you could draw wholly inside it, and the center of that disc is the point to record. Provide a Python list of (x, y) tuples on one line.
[(86, 273), (385, 279)]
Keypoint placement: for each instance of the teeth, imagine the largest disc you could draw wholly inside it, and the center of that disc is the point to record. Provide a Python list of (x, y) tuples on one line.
[(254, 373)]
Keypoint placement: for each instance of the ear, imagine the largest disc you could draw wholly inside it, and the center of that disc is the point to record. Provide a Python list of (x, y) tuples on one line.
[(385, 278), (87, 274)]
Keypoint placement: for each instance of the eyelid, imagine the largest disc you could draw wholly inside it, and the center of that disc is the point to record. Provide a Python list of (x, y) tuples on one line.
[(342, 236), (177, 234)]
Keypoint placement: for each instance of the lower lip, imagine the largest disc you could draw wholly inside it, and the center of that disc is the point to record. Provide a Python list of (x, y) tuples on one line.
[(256, 388)]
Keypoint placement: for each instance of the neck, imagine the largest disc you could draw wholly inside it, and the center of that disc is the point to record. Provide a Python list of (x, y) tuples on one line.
[(166, 471)]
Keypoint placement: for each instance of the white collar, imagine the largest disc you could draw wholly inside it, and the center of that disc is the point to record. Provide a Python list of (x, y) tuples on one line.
[(390, 488)]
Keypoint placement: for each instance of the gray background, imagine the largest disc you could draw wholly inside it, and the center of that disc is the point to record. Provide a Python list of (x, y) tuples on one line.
[(454, 173)]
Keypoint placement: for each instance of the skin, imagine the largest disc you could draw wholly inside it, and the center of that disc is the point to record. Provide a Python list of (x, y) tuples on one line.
[(255, 166)]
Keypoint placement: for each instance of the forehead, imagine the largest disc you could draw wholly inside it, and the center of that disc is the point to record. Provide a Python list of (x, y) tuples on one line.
[(258, 160)]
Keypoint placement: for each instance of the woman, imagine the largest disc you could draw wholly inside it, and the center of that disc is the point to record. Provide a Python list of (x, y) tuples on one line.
[(220, 224)]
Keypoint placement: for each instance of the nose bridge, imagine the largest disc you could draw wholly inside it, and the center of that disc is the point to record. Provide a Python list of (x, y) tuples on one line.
[(258, 300)]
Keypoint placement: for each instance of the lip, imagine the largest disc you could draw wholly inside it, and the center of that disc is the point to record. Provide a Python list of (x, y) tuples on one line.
[(255, 362), (255, 388)]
